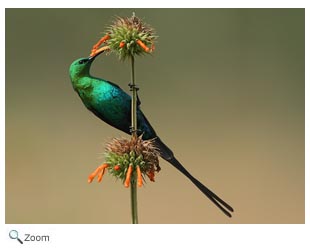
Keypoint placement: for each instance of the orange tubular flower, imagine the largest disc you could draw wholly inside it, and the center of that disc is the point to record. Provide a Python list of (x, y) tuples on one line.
[(101, 41), (99, 171), (139, 176), (122, 44), (128, 176), (102, 49), (143, 46), (98, 44), (116, 167)]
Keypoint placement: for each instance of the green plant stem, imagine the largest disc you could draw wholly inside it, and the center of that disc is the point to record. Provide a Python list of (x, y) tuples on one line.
[(134, 204), (134, 99), (133, 186)]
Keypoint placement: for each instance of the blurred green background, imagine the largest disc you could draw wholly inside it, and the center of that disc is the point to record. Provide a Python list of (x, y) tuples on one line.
[(224, 89)]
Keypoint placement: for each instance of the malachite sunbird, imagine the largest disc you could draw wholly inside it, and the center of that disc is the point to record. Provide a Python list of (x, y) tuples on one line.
[(113, 105)]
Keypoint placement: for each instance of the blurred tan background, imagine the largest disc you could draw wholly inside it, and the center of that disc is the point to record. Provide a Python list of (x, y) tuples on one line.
[(225, 90)]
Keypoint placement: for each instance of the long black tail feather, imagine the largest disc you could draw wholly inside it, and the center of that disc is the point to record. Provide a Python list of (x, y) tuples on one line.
[(222, 205), (167, 154)]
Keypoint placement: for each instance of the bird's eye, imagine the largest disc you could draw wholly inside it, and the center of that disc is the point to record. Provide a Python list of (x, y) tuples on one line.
[(82, 61)]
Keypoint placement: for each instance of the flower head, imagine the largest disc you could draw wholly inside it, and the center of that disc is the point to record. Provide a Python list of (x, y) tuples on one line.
[(130, 160), (127, 36)]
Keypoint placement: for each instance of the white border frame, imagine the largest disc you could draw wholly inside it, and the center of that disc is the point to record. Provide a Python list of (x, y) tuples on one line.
[(158, 236)]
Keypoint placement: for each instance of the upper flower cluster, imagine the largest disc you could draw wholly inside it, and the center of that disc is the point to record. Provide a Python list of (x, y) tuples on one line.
[(128, 36)]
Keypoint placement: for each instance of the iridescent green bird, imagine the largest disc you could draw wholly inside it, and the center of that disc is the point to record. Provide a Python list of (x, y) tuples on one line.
[(113, 106)]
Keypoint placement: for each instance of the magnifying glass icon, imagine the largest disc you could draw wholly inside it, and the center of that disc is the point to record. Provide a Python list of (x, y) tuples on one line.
[(14, 235)]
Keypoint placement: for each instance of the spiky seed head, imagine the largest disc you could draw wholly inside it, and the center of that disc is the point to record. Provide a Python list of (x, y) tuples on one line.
[(124, 34), (123, 152)]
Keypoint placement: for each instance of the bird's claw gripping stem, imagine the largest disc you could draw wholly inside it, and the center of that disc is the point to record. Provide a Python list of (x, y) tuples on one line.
[(133, 86), (131, 130)]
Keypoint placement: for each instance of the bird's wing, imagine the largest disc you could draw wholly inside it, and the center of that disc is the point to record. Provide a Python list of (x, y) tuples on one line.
[(138, 100), (115, 85)]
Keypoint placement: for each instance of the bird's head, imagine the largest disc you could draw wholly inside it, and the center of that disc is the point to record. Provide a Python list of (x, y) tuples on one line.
[(81, 67)]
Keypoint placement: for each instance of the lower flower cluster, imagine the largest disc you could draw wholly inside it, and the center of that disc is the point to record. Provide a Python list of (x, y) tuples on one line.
[(130, 161)]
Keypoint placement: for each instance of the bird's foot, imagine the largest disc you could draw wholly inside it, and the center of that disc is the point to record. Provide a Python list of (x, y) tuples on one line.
[(137, 131), (133, 86)]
